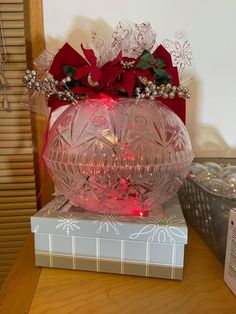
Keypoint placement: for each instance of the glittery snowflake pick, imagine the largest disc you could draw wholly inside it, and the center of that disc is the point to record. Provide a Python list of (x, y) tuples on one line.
[(181, 52), (133, 38), (98, 44), (130, 38)]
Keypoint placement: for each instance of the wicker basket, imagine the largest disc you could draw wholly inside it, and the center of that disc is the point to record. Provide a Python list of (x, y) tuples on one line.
[(208, 213)]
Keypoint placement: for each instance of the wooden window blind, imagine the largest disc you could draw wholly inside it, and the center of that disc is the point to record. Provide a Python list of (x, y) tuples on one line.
[(17, 179)]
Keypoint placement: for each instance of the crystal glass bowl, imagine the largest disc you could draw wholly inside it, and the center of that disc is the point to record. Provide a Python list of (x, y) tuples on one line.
[(123, 156)]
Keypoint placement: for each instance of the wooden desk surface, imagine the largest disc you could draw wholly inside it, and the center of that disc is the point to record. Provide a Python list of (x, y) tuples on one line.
[(65, 291)]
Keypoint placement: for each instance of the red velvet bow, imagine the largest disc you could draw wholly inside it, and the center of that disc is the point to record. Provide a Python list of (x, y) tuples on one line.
[(178, 105), (106, 76)]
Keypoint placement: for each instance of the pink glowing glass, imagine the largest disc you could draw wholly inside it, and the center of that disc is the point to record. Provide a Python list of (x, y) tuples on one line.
[(123, 157)]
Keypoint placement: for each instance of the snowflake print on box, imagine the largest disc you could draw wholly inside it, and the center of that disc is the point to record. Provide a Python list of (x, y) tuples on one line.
[(161, 229), (35, 229), (68, 224), (180, 50), (109, 224), (54, 205)]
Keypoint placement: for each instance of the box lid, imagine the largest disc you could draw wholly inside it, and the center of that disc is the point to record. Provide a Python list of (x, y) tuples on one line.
[(60, 217)]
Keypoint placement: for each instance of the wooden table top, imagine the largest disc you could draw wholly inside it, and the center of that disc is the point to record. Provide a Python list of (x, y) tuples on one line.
[(30, 289)]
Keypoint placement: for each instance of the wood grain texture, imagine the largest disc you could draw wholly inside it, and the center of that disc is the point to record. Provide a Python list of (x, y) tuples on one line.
[(202, 291), (35, 45), (18, 290)]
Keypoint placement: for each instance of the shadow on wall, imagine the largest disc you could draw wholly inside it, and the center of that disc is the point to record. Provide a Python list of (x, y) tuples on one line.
[(206, 139), (192, 109), (81, 32), (210, 143)]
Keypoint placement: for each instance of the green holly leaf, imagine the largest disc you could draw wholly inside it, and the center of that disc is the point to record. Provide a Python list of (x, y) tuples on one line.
[(160, 63), (145, 53), (147, 61), (161, 77), (69, 70)]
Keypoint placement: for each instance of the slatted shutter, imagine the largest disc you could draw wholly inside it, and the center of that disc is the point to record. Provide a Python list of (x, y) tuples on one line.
[(17, 179)]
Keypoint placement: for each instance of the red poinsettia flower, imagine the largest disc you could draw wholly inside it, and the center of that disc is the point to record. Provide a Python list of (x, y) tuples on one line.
[(90, 70), (130, 75), (66, 55), (111, 70)]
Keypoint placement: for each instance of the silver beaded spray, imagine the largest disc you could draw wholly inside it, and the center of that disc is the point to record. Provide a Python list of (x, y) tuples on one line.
[(152, 91), (48, 85)]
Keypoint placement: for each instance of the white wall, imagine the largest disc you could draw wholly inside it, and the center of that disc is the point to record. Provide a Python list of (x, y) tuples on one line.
[(210, 26)]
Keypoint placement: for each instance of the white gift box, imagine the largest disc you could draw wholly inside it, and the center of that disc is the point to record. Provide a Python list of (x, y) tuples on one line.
[(68, 237)]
